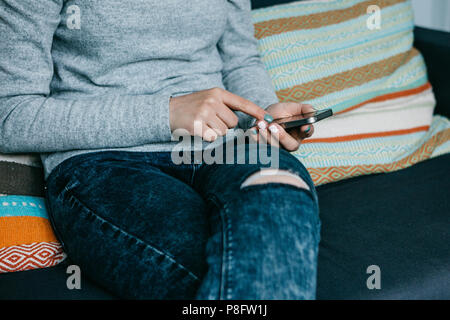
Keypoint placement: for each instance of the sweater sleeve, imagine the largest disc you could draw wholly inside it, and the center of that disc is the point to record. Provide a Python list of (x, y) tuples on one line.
[(243, 72), (31, 120)]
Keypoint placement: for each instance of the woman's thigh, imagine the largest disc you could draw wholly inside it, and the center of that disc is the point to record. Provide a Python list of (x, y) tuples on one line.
[(265, 236), (134, 229)]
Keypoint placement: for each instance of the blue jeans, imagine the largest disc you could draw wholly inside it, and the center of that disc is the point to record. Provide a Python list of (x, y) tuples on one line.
[(145, 228)]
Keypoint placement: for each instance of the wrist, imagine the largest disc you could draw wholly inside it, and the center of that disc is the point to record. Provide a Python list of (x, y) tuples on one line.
[(172, 106)]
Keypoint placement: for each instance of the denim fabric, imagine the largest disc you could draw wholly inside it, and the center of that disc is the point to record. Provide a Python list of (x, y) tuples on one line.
[(145, 228)]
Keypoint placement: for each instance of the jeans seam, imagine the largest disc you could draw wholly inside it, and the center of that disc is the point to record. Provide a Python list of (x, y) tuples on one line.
[(138, 240), (228, 253), (225, 289), (50, 217)]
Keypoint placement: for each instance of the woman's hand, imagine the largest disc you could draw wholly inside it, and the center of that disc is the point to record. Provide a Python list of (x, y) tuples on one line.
[(289, 139), (208, 113)]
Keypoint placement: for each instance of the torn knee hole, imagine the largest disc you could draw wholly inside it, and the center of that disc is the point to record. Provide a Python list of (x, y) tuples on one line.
[(275, 175)]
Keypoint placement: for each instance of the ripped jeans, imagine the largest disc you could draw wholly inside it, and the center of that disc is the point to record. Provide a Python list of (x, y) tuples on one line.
[(146, 228)]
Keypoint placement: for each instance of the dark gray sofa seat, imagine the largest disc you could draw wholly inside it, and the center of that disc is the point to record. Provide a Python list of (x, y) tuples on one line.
[(398, 221)]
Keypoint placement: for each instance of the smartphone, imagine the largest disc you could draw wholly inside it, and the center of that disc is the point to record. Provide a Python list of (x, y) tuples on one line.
[(303, 119)]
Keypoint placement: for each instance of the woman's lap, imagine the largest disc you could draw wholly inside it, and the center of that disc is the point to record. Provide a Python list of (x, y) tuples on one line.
[(120, 218), (139, 231)]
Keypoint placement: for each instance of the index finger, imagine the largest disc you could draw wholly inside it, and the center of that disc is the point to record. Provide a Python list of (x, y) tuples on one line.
[(307, 108), (238, 103)]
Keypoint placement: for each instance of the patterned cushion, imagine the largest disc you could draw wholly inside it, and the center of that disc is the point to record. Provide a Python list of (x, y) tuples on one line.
[(27, 240), (325, 54)]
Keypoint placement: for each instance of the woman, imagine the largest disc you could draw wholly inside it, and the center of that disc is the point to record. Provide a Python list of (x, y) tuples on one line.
[(99, 89)]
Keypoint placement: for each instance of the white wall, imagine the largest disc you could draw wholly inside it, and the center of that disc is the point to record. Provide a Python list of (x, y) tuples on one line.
[(433, 14)]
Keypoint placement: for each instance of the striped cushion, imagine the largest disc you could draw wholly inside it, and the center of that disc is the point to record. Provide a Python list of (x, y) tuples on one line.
[(323, 53), (27, 240)]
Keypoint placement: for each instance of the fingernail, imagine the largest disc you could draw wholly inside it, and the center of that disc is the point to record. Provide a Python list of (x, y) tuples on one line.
[(254, 131), (307, 130), (262, 125), (268, 118), (273, 128)]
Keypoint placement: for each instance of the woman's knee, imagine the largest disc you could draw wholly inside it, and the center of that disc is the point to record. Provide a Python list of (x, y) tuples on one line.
[(268, 175)]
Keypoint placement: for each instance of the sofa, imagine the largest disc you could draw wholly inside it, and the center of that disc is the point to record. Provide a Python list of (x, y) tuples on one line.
[(398, 222)]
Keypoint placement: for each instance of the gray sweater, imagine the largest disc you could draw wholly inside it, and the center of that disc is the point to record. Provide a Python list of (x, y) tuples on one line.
[(81, 76)]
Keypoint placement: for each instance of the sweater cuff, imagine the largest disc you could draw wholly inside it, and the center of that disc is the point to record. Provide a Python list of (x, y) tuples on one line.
[(156, 118)]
